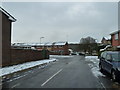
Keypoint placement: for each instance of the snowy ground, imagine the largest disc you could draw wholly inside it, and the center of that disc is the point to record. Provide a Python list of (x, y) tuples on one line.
[(19, 67), (93, 63), (60, 56)]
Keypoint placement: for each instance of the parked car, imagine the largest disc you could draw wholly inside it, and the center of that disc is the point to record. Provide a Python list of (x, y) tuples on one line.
[(110, 62), (74, 53), (80, 53)]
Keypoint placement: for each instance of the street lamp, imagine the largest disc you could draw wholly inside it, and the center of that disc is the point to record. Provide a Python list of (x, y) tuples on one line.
[(40, 39)]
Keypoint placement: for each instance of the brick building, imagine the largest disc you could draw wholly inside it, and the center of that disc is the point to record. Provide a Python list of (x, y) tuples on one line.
[(55, 48), (6, 24), (116, 39), (60, 48), (74, 46), (106, 41)]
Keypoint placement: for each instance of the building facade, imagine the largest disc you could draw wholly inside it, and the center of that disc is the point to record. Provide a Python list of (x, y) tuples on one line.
[(60, 48), (55, 48), (116, 39), (6, 22), (106, 41)]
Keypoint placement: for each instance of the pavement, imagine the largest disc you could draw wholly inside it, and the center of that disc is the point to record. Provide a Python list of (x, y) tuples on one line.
[(67, 72)]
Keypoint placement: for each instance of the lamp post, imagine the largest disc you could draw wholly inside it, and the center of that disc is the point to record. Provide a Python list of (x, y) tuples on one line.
[(40, 39)]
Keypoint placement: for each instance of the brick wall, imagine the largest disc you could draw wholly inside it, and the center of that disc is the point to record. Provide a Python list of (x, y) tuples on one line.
[(115, 42), (25, 55), (6, 39)]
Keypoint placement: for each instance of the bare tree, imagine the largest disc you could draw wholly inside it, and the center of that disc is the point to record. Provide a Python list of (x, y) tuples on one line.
[(88, 44)]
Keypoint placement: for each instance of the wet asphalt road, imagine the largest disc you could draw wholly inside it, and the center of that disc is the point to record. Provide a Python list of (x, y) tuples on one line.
[(72, 72)]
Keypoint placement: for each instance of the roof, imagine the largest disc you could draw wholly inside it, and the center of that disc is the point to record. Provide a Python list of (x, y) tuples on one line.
[(39, 44), (59, 43), (48, 44), (110, 52), (21, 45), (73, 42), (10, 17), (107, 37), (115, 32)]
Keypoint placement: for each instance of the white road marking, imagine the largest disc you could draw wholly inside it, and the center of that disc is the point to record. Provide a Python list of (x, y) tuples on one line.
[(103, 86), (51, 77), (15, 85)]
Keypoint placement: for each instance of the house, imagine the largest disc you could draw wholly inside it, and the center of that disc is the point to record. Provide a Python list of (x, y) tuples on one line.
[(106, 41), (5, 44), (116, 39), (41, 46), (74, 46), (21, 46), (60, 48), (55, 48)]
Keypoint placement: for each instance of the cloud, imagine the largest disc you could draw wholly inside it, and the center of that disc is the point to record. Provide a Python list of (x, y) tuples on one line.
[(56, 20)]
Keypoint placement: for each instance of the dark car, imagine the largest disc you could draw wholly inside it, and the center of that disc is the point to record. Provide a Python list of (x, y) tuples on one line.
[(110, 62), (82, 54)]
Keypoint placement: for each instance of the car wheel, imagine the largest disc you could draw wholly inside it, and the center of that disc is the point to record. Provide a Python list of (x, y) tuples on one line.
[(113, 75)]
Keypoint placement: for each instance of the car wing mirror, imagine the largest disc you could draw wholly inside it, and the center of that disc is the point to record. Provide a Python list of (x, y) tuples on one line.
[(101, 58)]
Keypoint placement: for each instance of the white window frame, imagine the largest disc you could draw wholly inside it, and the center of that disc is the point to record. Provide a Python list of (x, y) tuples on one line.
[(116, 36)]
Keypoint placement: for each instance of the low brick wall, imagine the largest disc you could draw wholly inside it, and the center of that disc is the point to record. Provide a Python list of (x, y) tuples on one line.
[(25, 55)]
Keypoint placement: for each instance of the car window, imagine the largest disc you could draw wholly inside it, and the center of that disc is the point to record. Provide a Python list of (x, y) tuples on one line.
[(108, 57), (103, 55), (116, 57)]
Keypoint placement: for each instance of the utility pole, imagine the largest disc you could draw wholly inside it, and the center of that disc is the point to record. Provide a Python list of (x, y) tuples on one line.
[(40, 39)]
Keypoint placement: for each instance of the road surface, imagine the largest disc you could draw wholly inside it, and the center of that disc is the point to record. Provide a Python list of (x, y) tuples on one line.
[(70, 72)]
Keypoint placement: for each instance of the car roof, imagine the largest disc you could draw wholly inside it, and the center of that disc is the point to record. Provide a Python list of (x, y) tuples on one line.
[(111, 52)]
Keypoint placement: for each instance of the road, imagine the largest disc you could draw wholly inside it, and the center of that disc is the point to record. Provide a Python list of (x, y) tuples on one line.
[(72, 72)]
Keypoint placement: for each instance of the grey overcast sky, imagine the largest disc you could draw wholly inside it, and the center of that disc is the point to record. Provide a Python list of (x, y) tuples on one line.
[(62, 21)]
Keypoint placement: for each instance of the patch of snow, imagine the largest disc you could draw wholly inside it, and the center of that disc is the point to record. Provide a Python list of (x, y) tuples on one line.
[(105, 48), (60, 56), (91, 57), (96, 72), (90, 65), (73, 43), (19, 67), (94, 65)]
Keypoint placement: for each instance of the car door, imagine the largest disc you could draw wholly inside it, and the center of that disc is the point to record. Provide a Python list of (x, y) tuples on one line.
[(108, 63), (102, 60)]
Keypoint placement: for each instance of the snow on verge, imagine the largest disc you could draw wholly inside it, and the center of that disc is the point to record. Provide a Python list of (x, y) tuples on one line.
[(19, 67), (96, 72), (94, 65), (60, 56)]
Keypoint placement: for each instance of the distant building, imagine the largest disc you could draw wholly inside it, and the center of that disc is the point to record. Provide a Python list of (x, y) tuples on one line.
[(106, 41), (74, 46), (6, 22), (60, 48), (55, 48), (21, 46), (116, 39)]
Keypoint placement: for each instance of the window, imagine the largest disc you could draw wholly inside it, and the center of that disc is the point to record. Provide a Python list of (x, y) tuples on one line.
[(116, 57), (116, 36), (108, 57), (103, 55), (60, 46)]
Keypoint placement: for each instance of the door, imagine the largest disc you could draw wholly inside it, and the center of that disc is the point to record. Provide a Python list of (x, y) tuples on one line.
[(108, 63), (103, 56)]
